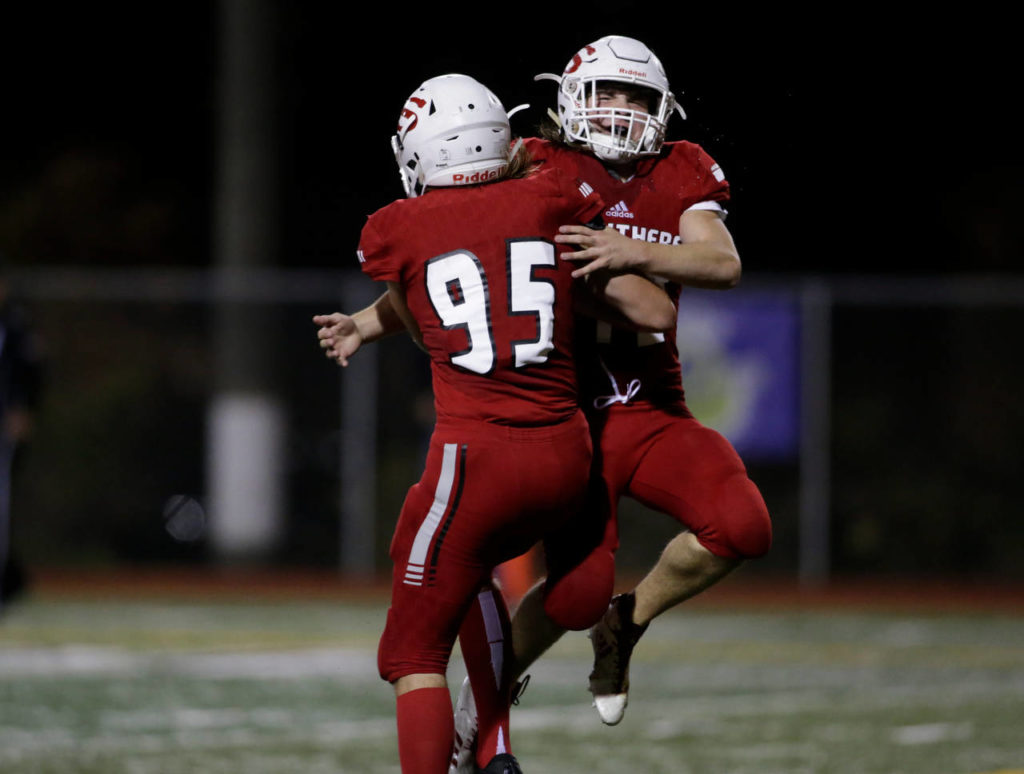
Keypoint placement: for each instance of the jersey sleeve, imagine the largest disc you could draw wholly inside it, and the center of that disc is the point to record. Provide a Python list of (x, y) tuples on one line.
[(376, 257), (712, 185)]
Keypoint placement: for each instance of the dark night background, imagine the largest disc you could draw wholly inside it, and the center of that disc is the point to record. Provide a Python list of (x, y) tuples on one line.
[(862, 143), (858, 141)]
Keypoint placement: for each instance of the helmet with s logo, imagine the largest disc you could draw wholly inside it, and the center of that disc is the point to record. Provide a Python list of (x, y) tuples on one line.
[(619, 133), (452, 131)]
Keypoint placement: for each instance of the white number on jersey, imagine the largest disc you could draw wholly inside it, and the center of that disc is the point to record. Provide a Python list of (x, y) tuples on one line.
[(529, 295), (460, 294)]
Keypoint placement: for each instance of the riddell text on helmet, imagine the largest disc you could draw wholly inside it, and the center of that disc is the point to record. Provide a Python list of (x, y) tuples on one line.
[(477, 177)]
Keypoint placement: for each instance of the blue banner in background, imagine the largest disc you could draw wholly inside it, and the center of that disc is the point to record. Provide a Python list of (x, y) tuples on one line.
[(740, 357)]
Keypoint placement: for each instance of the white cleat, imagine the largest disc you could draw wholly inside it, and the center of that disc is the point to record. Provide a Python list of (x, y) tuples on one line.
[(611, 708), (464, 751)]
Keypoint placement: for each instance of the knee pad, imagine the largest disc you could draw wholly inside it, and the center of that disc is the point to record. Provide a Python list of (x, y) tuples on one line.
[(746, 528)]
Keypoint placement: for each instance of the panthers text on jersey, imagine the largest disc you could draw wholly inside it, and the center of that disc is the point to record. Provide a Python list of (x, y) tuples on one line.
[(492, 299), (618, 366)]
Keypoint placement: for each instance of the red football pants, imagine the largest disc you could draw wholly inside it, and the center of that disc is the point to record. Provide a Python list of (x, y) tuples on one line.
[(488, 493)]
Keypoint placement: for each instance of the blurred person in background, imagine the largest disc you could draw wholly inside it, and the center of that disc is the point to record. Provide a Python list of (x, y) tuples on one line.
[(21, 366), (472, 273)]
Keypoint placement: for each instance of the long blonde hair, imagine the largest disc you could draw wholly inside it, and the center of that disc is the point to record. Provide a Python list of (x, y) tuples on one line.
[(550, 129), (520, 165)]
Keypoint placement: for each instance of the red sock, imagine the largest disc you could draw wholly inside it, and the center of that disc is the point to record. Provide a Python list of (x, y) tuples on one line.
[(486, 646), (425, 730)]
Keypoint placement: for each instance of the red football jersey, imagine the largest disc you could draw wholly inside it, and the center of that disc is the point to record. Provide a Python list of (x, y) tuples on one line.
[(493, 301), (618, 366)]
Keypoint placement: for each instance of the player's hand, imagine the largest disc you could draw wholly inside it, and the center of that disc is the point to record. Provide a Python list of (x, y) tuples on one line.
[(604, 249), (339, 336)]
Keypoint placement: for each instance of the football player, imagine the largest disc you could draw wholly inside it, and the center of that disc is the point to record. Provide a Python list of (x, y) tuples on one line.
[(665, 218), (473, 274)]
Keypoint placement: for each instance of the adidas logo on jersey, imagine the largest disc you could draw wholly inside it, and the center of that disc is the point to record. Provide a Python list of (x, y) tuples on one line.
[(620, 210)]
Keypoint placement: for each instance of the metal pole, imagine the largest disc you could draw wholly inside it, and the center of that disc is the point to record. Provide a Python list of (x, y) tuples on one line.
[(246, 418), (358, 464), (814, 559)]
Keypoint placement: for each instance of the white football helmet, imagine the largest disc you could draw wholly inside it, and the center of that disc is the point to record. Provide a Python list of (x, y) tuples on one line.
[(452, 131), (614, 134)]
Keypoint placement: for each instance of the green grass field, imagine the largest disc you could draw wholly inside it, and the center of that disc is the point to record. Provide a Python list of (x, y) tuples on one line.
[(129, 686)]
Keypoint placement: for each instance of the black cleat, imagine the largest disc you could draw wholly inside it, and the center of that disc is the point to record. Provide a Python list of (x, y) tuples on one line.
[(463, 760), (502, 764)]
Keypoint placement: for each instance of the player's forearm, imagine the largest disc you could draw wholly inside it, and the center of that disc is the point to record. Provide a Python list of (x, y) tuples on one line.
[(378, 320), (644, 306), (626, 301), (398, 308), (695, 264)]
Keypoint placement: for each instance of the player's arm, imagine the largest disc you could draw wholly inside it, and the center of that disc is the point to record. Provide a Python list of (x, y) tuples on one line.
[(706, 257), (342, 335), (627, 301), (396, 294)]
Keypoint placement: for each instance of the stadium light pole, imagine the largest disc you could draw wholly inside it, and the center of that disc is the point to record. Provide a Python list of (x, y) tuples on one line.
[(245, 420)]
